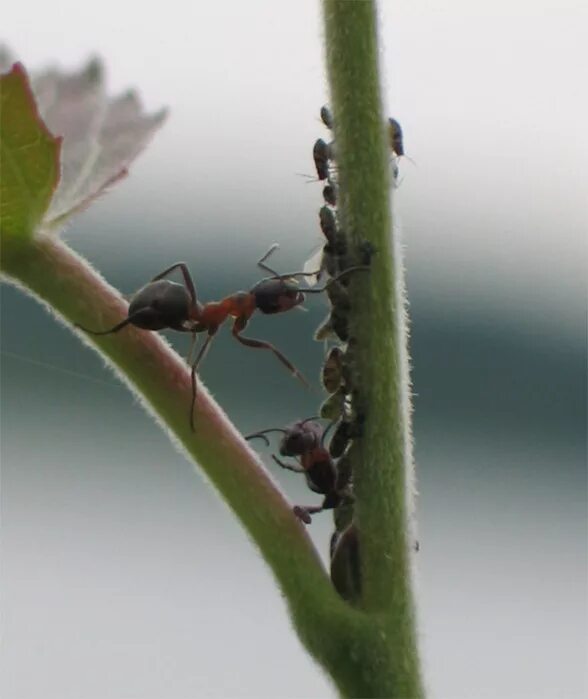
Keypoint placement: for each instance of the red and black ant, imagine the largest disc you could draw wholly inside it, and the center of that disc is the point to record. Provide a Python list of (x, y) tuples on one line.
[(163, 304), (305, 440)]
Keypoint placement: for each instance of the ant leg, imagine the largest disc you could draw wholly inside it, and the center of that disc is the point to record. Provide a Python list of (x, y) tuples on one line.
[(191, 348), (331, 500), (288, 467), (143, 313), (260, 344), (203, 350), (188, 281), (303, 513)]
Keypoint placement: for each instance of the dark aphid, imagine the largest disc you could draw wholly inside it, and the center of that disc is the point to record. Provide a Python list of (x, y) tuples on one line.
[(327, 117), (326, 330), (366, 252), (334, 406), (346, 431), (332, 371), (344, 478), (335, 325), (338, 295), (321, 153), (165, 304), (328, 223), (346, 565), (330, 194), (304, 441), (395, 136)]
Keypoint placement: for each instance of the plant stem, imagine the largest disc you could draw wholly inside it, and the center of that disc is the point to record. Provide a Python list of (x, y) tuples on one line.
[(382, 461)]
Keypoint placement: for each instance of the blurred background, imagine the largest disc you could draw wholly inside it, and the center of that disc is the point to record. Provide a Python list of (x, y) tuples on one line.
[(123, 576)]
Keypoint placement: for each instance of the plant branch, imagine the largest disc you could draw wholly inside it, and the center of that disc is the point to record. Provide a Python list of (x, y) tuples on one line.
[(382, 459), (75, 293)]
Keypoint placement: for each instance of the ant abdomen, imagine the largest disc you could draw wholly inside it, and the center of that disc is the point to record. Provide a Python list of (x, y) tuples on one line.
[(160, 304)]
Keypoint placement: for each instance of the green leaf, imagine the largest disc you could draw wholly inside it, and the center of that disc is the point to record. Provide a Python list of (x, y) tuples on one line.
[(29, 158)]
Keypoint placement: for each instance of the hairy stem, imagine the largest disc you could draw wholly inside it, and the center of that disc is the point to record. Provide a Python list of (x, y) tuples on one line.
[(382, 465)]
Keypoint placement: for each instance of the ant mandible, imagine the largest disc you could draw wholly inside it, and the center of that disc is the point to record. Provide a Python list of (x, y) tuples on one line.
[(163, 304), (305, 440)]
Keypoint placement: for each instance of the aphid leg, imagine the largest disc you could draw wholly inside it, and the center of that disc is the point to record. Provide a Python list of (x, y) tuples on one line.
[(203, 350), (289, 467), (189, 283), (261, 344)]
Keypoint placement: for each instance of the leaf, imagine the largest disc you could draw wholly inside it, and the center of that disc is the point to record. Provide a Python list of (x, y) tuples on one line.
[(102, 136), (29, 156)]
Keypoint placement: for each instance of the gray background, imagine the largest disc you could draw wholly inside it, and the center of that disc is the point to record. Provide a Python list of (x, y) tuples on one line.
[(123, 575)]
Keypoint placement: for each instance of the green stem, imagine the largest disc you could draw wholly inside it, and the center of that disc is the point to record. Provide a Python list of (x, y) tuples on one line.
[(382, 460)]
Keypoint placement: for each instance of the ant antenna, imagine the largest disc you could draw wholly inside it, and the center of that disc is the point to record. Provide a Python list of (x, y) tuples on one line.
[(261, 435), (320, 290), (260, 262), (329, 426)]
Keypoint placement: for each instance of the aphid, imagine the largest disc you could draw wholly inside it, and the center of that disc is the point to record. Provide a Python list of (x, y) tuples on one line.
[(347, 430), (330, 257), (334, 406), (335, 325), (321, 153), (328, 224), (332, 371), (304, 440), (162, 304), (395, 136), (330, 194), (346, 564), (327, 117)]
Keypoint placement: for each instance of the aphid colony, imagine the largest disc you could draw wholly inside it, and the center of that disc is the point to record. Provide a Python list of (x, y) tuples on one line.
[(326, 462), (321, 453)]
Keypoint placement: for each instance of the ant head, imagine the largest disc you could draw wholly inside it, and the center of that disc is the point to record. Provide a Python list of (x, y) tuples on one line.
[(159, 305), (300, 438), (276, 295)]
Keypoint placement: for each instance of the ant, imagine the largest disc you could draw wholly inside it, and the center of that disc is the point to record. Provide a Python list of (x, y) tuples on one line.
[(163, 304), (304, 440)]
